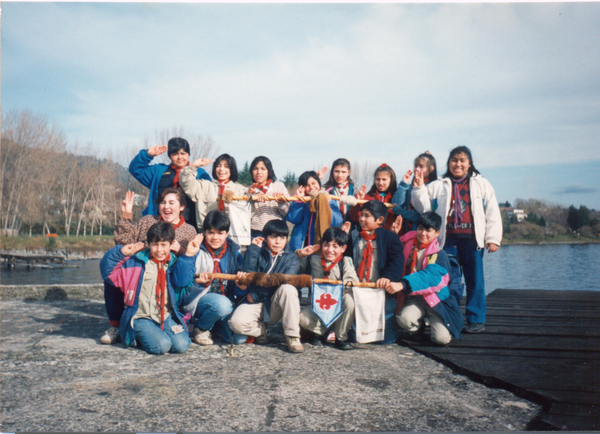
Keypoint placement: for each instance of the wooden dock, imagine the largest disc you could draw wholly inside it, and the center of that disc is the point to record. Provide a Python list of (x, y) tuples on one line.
[(541, 345)]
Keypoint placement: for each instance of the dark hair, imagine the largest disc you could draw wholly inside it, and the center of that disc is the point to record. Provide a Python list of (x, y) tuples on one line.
[(216, 220), (177, 143), (430, 220), (336, 234), (233, 176), (161, 231), (467, 152), (430, 161), (176, 191), (276, 228), (339, 162), (376, 208), (303, 180), (267, 164), (393, 184)]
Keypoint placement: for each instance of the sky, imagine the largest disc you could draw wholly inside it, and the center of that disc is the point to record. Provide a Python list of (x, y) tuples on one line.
[(304, 84)]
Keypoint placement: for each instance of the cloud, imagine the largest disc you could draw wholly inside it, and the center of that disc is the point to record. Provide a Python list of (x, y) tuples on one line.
[(305, 84), (577, 189)]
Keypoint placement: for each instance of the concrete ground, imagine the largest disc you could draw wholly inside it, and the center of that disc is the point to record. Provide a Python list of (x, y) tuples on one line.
[(56, 376)]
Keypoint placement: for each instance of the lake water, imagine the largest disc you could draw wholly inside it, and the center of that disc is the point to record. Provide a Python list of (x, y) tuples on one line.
[(553, 266)]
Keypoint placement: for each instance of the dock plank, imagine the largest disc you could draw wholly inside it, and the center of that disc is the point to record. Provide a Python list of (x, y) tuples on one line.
[(540, 344)]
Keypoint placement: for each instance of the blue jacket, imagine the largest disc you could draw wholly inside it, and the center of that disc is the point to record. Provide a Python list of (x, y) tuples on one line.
[(299, 216), (149, 176), (389, 254), (230, 264), (434, 283), (127, 274), (402, 200), (260, 259)]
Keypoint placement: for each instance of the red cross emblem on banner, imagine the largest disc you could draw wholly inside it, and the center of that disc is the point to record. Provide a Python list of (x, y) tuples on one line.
[(325, 301)]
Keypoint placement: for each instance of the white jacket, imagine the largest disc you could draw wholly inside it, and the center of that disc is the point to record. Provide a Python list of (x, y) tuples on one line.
[(487, 221), (205, 194)]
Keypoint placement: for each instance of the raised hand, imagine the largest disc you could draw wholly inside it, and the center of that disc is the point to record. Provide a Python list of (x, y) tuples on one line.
[(346, 227), (201, 162), (127, 204), (418, 181), (132, 249), (397, 225), (301, 191), (258, 241), (360, 194), (407, 175), (155, 151), (194, 246), (310, 250), (322, 172)]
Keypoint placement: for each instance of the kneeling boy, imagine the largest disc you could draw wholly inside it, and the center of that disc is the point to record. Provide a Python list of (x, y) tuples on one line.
[(210, 302), (267, 255), (378, 258), (152, 281), (333, 265), (427, 284)]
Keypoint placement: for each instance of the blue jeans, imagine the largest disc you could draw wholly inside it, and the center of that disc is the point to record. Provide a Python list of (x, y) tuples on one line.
[(213, 313), (470, 257), (152, 339), (392, 332)]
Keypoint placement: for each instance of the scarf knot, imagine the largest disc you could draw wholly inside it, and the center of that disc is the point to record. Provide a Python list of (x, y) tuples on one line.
[(161, 288)]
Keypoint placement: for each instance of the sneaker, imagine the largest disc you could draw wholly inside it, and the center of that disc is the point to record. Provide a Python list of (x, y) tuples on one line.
[(294, 344), (111, 336), (473, 328), (343, 345), (202, 337)]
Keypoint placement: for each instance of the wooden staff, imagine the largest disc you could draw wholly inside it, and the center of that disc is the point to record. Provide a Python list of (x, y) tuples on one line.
[(300, 199), (275, 279)]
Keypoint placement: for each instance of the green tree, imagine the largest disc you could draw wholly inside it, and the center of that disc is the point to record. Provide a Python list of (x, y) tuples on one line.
[(289, 179), (583, 216), (542, 222), (572, 218), (245, 177)]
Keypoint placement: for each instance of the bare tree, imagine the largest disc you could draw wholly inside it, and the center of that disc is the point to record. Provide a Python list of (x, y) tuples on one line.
[(200, 146), (27, 141), (363, 173)]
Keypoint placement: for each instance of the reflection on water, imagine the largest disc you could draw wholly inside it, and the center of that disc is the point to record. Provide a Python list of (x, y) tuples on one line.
[(554, 266), (87, 271)]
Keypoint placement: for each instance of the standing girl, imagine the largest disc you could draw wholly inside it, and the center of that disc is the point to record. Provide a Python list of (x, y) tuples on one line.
[(266, 184), (311, 219), (383, 189), (424, 165), (218, 195), (471, 222), (340, 184)]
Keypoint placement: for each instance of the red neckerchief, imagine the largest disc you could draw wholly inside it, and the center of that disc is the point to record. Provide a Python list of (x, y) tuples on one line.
[(385, 199), (342, 190), (176, 179), (263, 188), (326, 269), (181, 221), (217, 262), (221, 206), (366, 262), (161, 288), (413, 257)]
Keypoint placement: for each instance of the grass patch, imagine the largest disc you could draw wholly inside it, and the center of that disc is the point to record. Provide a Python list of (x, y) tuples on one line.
[(72, 244)]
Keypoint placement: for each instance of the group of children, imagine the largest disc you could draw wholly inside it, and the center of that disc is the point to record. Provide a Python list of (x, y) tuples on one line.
[(407, 240)]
